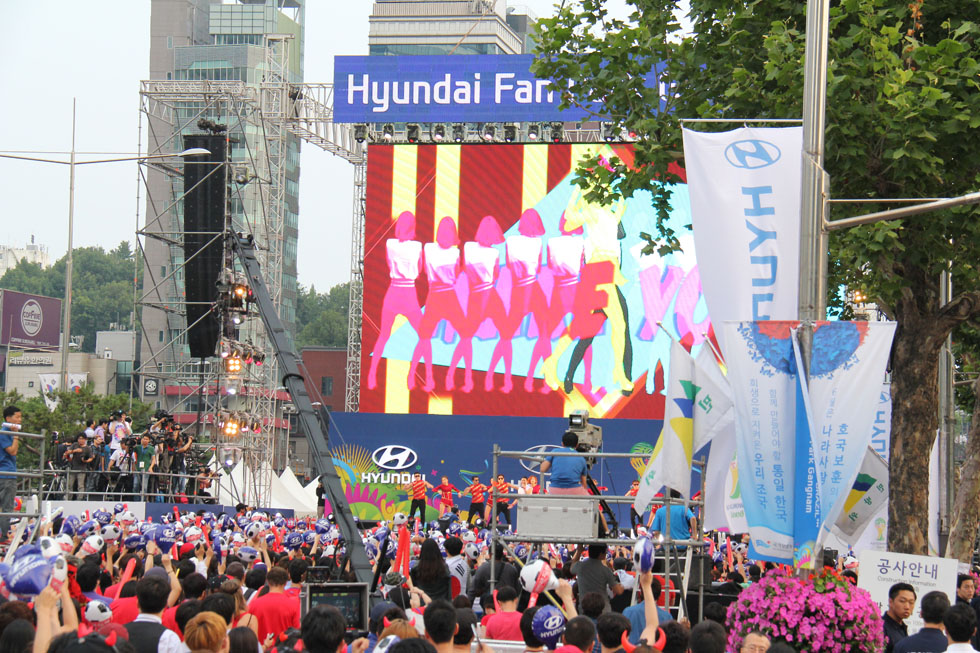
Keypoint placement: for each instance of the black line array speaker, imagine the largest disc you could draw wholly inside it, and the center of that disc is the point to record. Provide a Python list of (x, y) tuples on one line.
[(204, 221)]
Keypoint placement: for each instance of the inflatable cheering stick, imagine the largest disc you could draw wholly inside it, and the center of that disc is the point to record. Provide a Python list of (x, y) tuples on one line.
[(59, 573)]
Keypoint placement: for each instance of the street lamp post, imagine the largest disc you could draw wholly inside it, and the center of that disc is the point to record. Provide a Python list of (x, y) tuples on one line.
[(71, 163)]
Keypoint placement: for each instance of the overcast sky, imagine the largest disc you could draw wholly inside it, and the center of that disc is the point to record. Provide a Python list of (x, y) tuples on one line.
[(97, 52)]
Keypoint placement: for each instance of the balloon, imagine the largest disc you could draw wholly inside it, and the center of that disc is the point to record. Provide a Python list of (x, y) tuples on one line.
[(548, 625)]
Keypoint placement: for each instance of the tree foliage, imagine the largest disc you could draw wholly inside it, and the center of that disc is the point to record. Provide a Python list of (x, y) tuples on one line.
[(102, 288), (903, 108), (321, 318)]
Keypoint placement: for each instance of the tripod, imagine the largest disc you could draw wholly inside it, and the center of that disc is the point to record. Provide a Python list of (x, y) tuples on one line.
[(604, 509)]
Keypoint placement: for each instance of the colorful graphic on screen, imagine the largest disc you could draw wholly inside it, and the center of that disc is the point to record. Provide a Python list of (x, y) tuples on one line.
[(493, 287)]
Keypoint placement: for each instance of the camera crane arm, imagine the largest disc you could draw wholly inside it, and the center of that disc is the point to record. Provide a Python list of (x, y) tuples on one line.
[(314, 421)]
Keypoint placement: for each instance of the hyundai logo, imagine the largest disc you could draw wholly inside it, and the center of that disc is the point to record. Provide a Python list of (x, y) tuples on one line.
[(554, 622), (394, 456), (752, 154), (540, 449)]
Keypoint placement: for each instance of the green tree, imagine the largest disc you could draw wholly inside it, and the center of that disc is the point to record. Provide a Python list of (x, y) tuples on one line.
[(102, 288), (321, 318), (902, 115)]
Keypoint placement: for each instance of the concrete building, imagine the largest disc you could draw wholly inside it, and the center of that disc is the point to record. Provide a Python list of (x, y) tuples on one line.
[(32, 253), (400, 27), (25, 367)]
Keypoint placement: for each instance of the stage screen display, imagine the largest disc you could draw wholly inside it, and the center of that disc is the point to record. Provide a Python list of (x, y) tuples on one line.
[(493, 287)]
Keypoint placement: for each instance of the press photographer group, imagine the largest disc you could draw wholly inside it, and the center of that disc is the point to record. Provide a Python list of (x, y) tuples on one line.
[(108, 460)]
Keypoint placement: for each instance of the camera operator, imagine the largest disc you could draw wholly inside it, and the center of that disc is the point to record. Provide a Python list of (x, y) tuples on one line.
[(203, 485), (567, 472), (180, 444), (80, 457), (121, 465)]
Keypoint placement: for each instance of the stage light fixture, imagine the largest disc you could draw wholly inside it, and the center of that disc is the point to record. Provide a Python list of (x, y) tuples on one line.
[(557, 132), (608, 132), (388, 132), (225, 348), (510, 133), (412, 133), (488, 131), (233, 364), (438, 133), (459, 133), (231, 427), (360, 133), (533, 131)]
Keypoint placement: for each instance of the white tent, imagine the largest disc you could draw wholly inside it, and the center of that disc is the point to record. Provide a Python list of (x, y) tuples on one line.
[(291, 483), (284, 497)]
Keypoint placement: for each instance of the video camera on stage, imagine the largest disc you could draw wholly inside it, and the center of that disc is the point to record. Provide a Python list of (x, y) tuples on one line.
[(589, 435)]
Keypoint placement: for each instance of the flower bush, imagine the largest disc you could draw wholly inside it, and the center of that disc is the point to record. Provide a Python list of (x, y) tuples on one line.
[(821, 613)]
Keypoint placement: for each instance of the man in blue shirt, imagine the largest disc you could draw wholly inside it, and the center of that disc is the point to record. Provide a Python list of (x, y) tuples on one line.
[(682, 521), (567, 472), (9, 443)]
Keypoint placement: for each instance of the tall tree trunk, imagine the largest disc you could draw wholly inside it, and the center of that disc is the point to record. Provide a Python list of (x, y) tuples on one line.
[(966, 507), (915, 418)]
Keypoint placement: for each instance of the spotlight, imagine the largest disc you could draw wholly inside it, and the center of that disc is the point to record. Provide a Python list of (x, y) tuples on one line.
[(557, 130), (258, 358), (225, 348), (232, 427), (438, 133), (360, 133), (233, 364), (236, 319), (533, 131), (388, 132), (488, 130), (413, 133), (459, 133), (510, 133), (608, 132)]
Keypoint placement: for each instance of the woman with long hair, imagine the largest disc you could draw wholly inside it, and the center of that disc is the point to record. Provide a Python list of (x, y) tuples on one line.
[(242, 640), (481, 264), (441, 268), (206, 632), (242, 617), (404, 255), (431, 575), (524, 261)]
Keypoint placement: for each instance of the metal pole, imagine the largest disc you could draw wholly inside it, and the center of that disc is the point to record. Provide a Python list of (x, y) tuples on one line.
[(813, 239), (946, 405), (493, 521), (66, 323)]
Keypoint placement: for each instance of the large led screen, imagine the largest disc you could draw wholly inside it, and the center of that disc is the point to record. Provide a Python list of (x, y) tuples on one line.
[(493, 287)]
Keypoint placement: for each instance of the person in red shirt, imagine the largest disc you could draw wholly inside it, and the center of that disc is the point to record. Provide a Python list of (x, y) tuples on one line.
[(636, 519), (505, 624), (417, 489), (500, 488), (275, 611), (445, 490), (477, 492)]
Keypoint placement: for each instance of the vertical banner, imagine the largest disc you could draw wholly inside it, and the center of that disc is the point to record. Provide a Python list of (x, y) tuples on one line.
[(762, 372), (807, 509), (49, 383), (76, 381), (848, 365), (745, 210)]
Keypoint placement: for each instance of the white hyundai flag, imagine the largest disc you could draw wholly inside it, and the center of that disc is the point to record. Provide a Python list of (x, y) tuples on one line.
[(745, 210)]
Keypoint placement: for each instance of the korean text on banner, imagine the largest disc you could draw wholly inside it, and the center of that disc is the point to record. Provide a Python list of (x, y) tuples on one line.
[(807, 509), (762, 372), (846, 370), (745, 209), (868, 494)]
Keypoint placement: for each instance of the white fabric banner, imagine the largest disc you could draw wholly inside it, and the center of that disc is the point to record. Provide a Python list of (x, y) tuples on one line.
[(76, 381), (868, 495), (49, 383), (848, 366), (745, 209)]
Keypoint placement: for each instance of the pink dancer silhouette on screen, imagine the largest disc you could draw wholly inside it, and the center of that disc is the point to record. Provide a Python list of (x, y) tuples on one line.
[(481, 263), (523, 261), (441, 268), (404, 261), (566, 256)]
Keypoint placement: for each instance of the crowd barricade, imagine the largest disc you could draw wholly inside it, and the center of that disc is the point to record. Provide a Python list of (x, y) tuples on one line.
[(114, 487)]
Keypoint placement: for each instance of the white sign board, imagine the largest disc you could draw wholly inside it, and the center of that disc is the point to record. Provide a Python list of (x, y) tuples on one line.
[(880, 570)]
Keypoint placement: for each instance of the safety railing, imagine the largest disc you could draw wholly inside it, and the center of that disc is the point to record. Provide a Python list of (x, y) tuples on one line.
[(65, 484)]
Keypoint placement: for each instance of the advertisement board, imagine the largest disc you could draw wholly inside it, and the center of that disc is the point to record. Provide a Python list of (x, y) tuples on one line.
[(492, 287), (446, 88), (29, 320), (376, 455)]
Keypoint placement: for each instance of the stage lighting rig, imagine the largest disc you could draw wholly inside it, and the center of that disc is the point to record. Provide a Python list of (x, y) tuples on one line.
[(412, 133), (510, 133), (459, 133), (360, 133), (388, 132), (487, 130), (557, 132), (533, 131), (437, 133), (608, 132)]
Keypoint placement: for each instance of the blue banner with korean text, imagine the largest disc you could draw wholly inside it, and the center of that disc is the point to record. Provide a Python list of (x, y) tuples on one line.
[(447, 88)]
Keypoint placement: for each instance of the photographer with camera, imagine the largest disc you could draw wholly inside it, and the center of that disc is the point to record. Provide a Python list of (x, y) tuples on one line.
[(567, 472), (178, 444), (121, 465), (203, 485), (80, 457)]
